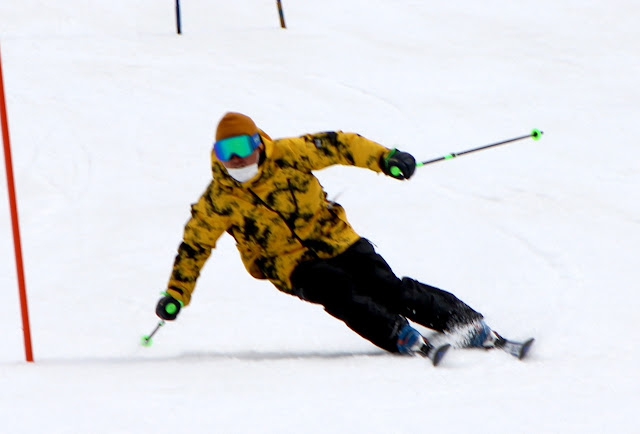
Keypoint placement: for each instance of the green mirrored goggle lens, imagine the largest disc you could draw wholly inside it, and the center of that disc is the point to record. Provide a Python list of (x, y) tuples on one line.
[(241, 146)]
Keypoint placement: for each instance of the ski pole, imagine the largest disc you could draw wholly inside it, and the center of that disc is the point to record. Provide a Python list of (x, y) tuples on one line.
[(146, 340), (535, 135)]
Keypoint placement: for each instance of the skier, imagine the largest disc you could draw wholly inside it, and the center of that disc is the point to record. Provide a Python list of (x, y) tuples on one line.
[(264, 194)]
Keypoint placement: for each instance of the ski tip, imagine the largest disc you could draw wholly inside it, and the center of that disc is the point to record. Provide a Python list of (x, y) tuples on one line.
[(526, 346), (438, 354)]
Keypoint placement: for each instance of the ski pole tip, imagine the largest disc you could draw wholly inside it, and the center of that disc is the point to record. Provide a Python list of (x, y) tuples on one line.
[(147, 341), (536, 134)]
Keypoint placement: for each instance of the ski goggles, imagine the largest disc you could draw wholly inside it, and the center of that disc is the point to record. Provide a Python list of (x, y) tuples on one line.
[(241, 146)]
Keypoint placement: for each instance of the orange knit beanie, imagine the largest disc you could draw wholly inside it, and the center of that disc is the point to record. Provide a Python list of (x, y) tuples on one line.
[(235, 124)]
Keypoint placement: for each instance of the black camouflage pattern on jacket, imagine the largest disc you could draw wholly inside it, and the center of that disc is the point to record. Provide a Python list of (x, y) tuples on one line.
[(279, 218)]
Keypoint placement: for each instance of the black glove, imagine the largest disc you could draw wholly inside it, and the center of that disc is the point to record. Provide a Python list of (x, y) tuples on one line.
[(168, 308), (398, 164)]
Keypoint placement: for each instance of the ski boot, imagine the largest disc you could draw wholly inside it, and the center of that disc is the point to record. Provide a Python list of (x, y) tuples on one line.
[(411, 342)]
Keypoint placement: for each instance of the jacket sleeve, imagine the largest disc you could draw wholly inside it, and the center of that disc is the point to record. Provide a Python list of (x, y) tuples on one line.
[(200, 236), (320, 150)]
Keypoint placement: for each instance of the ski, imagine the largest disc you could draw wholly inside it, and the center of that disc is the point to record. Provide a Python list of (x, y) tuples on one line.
[(516, 349), (435, 354)]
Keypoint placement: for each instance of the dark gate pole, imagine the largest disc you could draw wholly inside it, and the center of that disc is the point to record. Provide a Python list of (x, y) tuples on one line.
[(178, 23), (281, 13)]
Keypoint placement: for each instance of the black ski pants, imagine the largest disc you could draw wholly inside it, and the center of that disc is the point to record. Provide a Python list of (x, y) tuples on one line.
[(359, 288)]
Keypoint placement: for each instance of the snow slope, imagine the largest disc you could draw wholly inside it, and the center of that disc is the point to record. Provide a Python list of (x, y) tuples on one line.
[(112, 117)]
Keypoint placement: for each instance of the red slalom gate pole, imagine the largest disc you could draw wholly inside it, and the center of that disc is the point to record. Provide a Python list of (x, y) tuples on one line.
[(4, 120)]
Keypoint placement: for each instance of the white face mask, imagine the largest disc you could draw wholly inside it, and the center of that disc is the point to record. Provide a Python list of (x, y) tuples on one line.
[(243, 174)]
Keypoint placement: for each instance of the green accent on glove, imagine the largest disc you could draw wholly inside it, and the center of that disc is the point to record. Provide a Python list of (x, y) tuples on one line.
[(171, 308), (166, 294), (395, 171), (391, 154)]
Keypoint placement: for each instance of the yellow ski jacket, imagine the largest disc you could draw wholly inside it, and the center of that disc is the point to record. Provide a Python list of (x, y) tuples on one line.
[(281, 217)]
